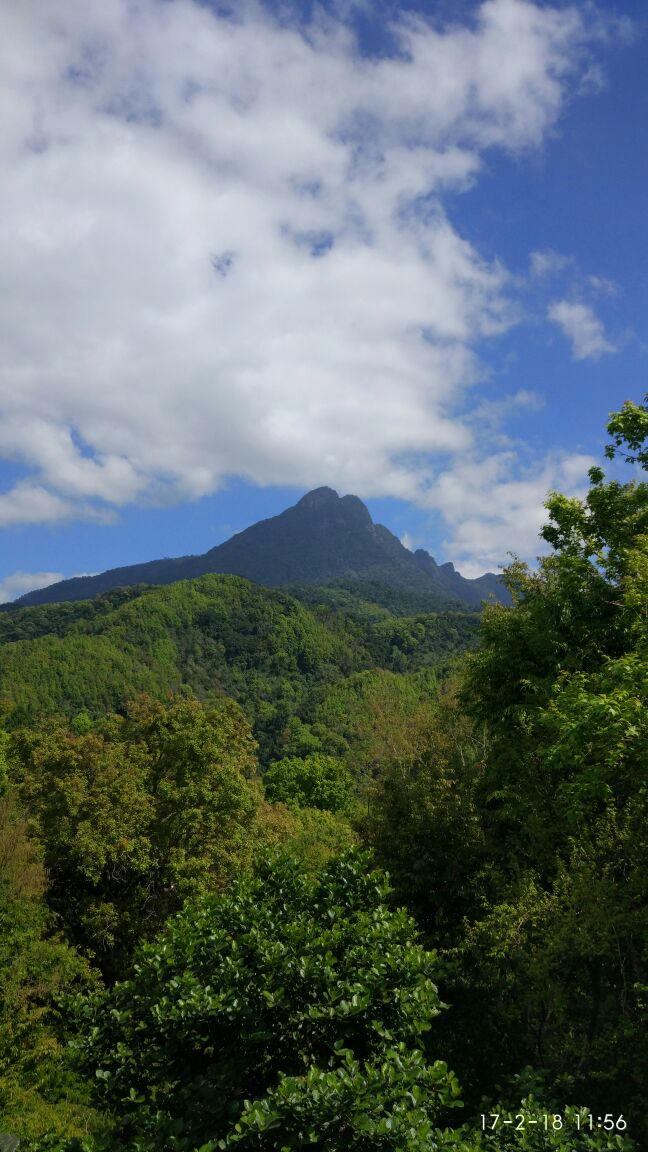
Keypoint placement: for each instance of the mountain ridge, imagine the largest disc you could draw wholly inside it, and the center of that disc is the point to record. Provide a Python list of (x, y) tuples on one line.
[(322, 539)]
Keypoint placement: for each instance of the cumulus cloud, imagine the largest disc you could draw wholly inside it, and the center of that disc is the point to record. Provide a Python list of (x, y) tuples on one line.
[(582, 327), (20, 582), (27, 503), (225, 250), (489, 504)]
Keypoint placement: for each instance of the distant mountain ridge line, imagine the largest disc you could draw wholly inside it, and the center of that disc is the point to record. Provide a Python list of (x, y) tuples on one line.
[(323, 539)]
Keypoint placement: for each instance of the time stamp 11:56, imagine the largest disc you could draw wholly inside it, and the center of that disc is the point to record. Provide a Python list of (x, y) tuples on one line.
[(554, 1121)]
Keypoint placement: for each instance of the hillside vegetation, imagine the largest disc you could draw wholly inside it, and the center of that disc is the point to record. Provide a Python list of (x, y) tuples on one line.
[(287, 871), (216, 635)]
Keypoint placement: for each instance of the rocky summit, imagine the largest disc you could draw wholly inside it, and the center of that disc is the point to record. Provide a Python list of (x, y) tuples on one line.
[(323, 539)]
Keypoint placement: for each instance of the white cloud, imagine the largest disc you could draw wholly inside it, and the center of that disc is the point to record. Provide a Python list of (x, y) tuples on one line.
[(32, 504), (582, 328), (489, 415), (224, 245), (489, 504), (28, 503), (547, 262), (603, 285), (20, 582)]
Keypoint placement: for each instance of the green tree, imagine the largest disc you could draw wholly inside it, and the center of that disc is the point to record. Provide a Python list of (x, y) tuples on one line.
[(629, 431), (313, 835), (37, 1087), (557, 963), (294, 1004), (288, 1013), (4, 771), (138, 813), (422, 818), (314, 782), (376, 719), (578, 614)]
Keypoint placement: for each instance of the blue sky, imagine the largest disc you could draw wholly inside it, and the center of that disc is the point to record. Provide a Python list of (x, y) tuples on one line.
[(252, 249)]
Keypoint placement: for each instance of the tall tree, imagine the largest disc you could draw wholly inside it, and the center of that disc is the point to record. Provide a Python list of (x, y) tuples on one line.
[(37, 1087), (558, 963), (286, 1013), (137, 813)]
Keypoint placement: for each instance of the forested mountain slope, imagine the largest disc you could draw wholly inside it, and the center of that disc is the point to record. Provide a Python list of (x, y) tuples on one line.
[(216, 635), (219, 996)]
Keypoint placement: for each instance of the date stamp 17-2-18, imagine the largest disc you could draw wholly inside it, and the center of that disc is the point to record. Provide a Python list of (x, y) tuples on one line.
[(554, 1121)]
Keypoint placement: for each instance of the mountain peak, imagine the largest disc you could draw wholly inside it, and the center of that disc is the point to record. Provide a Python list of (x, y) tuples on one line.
[(322, 539), (318, 498), (326, 500), (359, 510)]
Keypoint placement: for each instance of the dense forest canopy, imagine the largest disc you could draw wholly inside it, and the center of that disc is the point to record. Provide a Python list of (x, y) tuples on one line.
[(220, 634), (321, 869)]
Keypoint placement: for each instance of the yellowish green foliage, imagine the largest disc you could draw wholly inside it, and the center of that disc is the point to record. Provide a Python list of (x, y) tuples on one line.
[(138, 813), (37, 1088)]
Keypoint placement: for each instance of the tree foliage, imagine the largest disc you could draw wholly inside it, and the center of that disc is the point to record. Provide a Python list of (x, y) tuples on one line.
[(314, 782), (558, 961), (422, 818), (37, 1087), (137, 813), (293, 1004), (290, 1006), (288, 1013), (216, 635)]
